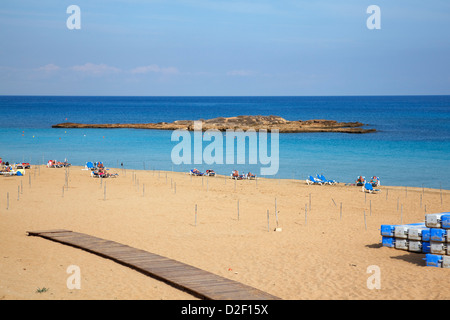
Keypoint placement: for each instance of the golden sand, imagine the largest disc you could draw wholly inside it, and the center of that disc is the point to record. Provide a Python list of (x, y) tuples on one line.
[(322, 255)]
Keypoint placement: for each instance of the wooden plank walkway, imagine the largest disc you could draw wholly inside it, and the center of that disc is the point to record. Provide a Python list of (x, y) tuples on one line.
[(200, 283)]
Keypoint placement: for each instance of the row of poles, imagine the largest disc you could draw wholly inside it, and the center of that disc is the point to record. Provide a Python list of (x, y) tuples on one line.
[(173, 187)]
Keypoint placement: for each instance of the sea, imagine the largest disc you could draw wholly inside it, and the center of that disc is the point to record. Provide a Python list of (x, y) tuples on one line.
[(411, 145)]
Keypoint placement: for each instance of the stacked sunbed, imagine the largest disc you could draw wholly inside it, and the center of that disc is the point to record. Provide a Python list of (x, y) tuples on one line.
[(431, 237)]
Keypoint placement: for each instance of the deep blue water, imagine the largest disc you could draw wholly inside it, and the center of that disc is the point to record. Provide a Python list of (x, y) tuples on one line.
[(411, 146)]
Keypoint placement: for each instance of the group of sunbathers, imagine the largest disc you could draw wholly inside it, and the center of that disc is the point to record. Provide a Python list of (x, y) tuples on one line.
[(235, 175), (99, 171), (374, 181), (57, 164), (196, 172), (13, 169)]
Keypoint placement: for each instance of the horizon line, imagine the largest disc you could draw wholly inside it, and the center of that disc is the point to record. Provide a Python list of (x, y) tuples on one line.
[(226, 96)]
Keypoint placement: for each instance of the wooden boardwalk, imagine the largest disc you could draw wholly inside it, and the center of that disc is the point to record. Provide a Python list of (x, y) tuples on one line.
[(200, 283)]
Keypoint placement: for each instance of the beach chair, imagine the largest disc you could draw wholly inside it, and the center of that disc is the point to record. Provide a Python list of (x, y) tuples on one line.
[(375, 181), (369, 188), (235, 175), (360, 181), (195, 172), (26, 165), (325, 180), (8, 173), (251, 176), (210, 173), (90, 165), (311, 180), (94, 174)]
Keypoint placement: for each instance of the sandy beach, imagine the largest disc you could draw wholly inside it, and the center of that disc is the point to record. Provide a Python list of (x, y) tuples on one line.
[(318, 254)]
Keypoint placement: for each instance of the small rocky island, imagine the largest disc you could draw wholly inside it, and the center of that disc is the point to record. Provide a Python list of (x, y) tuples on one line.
[(245, 123)]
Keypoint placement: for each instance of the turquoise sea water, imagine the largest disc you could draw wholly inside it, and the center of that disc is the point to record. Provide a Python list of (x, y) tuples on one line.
[(411, 146)]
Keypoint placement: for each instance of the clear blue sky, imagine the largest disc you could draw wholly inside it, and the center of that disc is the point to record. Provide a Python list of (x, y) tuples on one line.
[(224, 47)]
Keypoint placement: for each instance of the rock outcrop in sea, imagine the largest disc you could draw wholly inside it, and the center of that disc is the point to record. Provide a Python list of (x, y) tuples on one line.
[(245, 123)]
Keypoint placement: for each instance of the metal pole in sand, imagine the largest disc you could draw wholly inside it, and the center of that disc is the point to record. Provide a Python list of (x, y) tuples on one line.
[(276, 212), (334, 202), (275, 206), (238, 209), (401, 214), (306, 214), (62, 196), (196, 215), (387, 193), (175, 188), (21, 187), (18, 193), (365, 222), (268, 227)]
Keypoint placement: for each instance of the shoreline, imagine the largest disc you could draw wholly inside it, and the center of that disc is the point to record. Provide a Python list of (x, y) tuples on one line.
[(222, 176)]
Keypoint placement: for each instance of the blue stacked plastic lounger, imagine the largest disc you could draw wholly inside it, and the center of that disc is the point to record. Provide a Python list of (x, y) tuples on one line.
[(431, 238), (439, 255), (439, 261), (414, 237)]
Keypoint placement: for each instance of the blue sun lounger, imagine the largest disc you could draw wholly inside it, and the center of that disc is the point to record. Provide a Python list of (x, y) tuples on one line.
[(90, 165), (312, 180), (322, 178), (369, 188)]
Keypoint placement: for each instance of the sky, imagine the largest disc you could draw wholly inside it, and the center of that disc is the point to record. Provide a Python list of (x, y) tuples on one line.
[(224, 48)]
